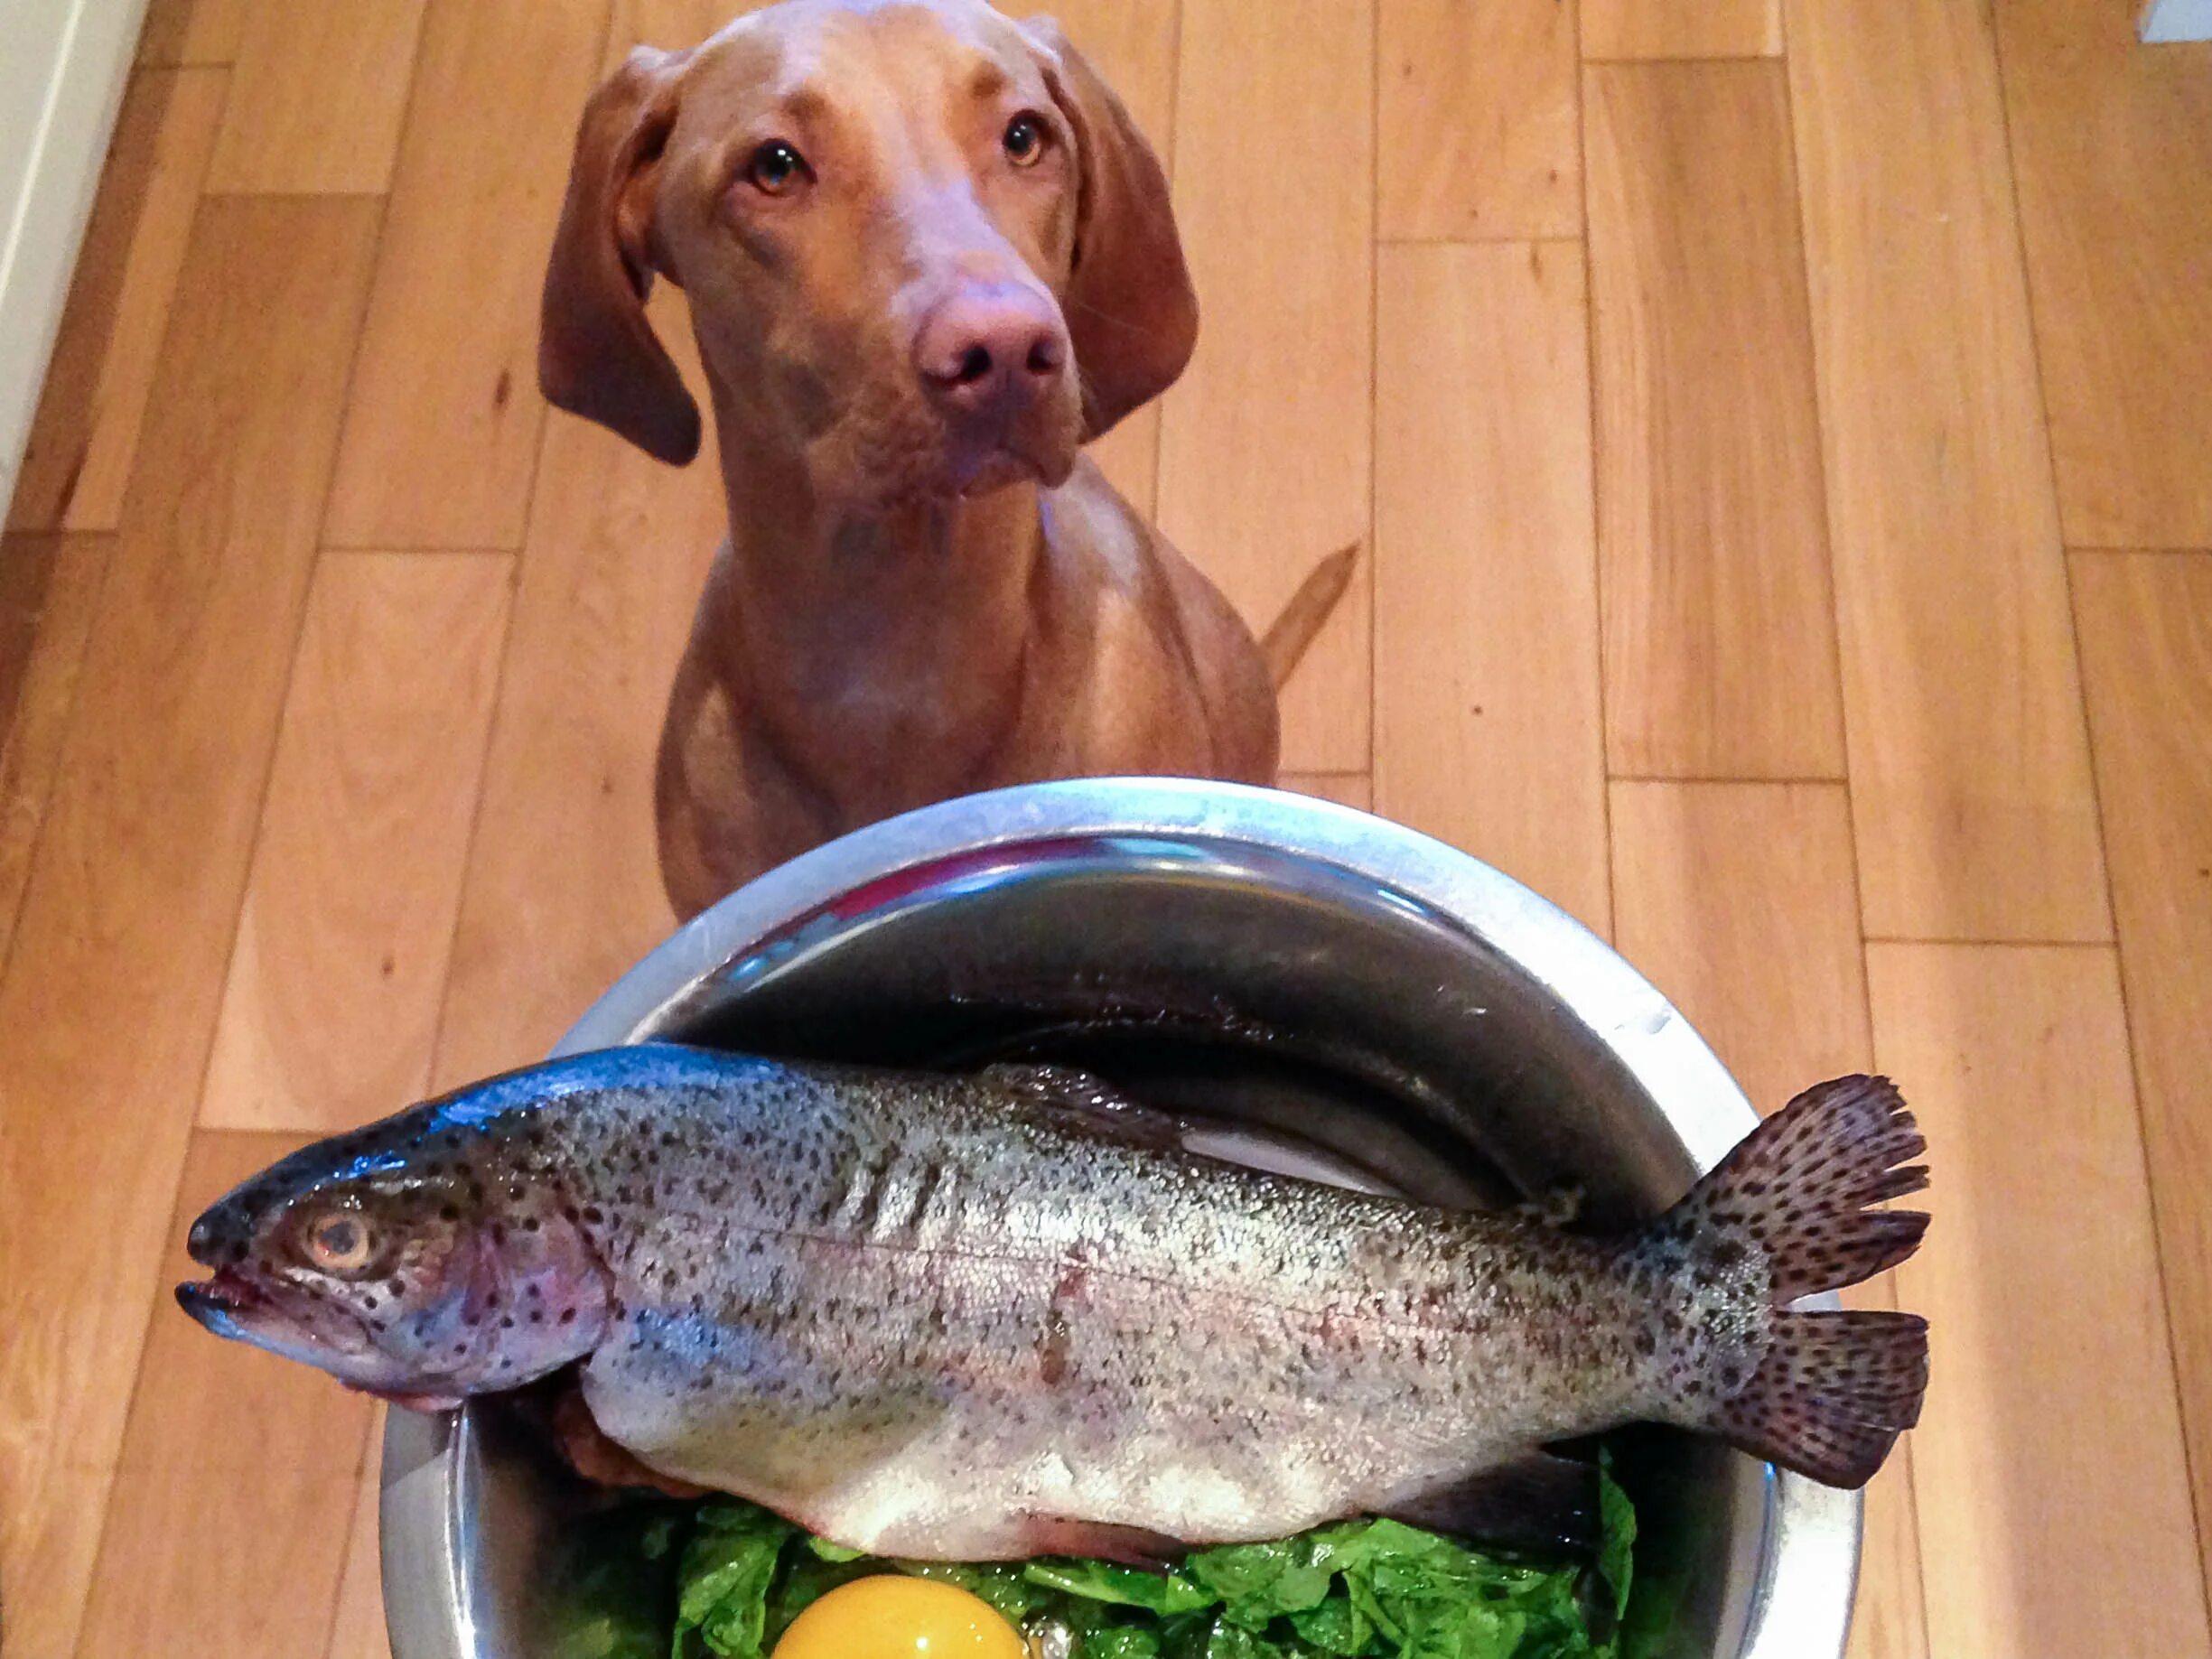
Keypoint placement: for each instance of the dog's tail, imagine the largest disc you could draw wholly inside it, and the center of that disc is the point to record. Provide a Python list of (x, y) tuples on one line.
[(1288, 636)]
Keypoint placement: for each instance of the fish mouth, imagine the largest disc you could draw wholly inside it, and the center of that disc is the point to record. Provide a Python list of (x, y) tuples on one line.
[(225, 1304), (237, 1305)]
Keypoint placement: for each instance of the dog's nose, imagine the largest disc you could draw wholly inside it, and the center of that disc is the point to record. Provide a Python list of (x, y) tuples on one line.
[(990, 346)]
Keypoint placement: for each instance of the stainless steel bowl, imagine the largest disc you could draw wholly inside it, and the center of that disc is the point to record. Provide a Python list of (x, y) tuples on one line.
[(1334, 991)]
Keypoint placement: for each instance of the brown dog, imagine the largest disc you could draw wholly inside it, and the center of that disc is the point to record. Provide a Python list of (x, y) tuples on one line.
[(927, 256)]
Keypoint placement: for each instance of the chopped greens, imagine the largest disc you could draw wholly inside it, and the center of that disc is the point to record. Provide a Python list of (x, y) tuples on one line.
[(1357, 1589)]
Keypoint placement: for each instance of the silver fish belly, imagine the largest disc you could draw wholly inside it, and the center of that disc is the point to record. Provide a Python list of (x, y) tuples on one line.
[(949, 1318)]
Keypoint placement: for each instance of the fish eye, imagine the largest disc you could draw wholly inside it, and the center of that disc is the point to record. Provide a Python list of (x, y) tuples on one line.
[(776, 169), (1025, 139), (342, 1242)]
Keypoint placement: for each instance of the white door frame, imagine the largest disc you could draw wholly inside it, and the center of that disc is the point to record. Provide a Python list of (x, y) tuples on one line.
[(64, 64), (2176, 19)]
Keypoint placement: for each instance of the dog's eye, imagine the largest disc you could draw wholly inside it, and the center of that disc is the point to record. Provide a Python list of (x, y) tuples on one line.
[(776, 169), (1025, 140), (341, 1242)]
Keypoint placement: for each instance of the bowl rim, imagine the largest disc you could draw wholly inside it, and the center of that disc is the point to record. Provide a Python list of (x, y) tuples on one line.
[(1808, 1553)]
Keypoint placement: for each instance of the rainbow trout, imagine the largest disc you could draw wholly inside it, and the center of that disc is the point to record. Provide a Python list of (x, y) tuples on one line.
[(982, 1317)]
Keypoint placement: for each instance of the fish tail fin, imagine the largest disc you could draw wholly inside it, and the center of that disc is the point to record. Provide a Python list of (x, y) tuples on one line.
[(1833, 1390), (1832, 1395)]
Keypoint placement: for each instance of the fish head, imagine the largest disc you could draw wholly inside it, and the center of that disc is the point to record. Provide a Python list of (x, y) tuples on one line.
[(423, 1260)]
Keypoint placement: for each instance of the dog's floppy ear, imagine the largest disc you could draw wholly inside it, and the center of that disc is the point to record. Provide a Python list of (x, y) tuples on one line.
[(597, 355), (1132, 313)]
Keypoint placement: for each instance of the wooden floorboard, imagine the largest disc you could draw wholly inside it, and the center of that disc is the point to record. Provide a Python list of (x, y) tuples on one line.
[(45, 690), (1476, 121), (443, 421), (330, 1012), (557, 904), (1265, 450), (1486, 724), (1632, 29), (1969, 767), (1719, 621), (2054, 1508), (357, 1623), (292, 127), (190, 32), (2146, 638), (2112, 143), (239, 1469), (1739, 900), (27, 562), (86, 434), (109, 993)]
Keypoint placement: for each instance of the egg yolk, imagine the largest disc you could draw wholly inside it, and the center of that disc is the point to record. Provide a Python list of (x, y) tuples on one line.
[(897, 1617)]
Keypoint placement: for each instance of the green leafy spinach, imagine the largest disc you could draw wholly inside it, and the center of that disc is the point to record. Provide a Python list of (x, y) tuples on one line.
[(724, 1579)]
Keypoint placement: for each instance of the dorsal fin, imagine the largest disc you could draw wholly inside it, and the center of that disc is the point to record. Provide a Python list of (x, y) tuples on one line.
[(1092, 1102)]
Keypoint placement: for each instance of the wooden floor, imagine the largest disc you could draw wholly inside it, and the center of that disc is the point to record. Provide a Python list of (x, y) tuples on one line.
[(1783, 429)]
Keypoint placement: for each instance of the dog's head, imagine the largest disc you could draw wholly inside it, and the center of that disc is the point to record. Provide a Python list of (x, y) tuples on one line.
[(927, 251)]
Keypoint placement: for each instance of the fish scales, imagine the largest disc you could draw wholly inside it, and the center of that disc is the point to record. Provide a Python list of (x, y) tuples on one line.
[(972, 1317)]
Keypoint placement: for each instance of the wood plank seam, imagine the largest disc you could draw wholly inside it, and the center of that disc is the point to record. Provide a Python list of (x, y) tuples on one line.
[(1827, 513), (1712, 495), (425, 38), (100, 602), (295, 195), (1987, 944), (1374, 350), (1689, 57), (71, 476), (108, 1483), (159, 1302), (1851, 806), (329, 487), (2073, 617), (1789, 111), (315, 569), (2169, 552), (2113, 215), (1268, 467), (372, 1450), (1597, 486), (102, 1465), (420, 552), (67, 719), (1948, 787), (476, 827), (1807, 778), (353, 366), (491, 736), (2193, 1455), (1501, 241), (1866, 1010), (100, 605), (1835, 607)]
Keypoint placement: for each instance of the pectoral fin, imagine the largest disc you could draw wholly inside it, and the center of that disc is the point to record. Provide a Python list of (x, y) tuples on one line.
[(1535, 1502), (1124, 1546)]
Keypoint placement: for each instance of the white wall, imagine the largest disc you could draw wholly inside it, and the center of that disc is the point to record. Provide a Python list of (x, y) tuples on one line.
[(63, 66), (2177, 19)]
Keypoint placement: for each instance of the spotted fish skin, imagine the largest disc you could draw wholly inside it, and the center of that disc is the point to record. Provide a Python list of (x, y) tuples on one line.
[(957, 1317)]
